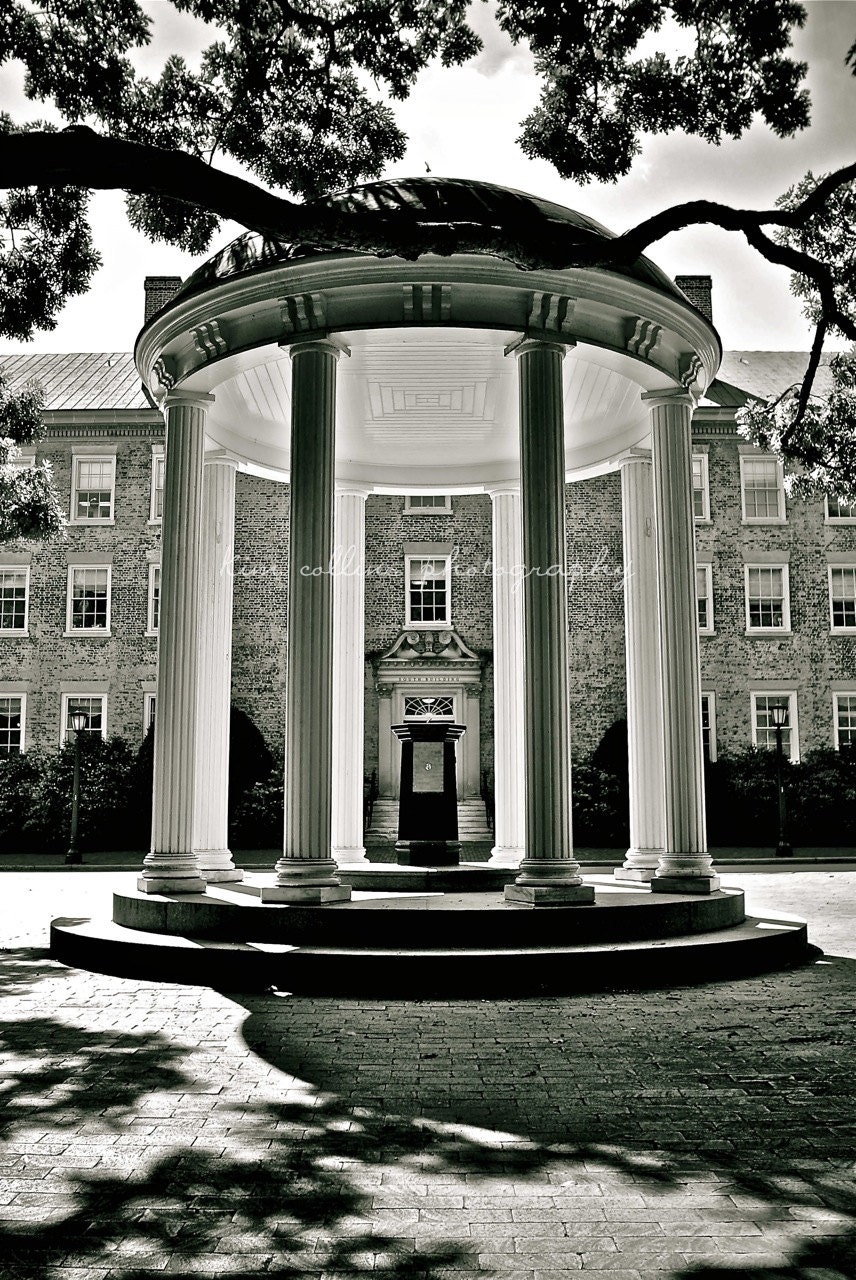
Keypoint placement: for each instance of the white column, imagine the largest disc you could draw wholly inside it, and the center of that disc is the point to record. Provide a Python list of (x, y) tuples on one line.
[(508, 767), (214, 682), (172, 865), (349, 649), (685, 866), (642, 659), (548, 873), (306, 872)]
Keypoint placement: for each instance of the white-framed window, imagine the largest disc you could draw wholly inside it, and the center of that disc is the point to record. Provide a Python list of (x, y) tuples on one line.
[(838, 512), (844, 720), (428, 503), (156, 500), (93, 487), (842, 599), (14, 599), (153, 605), (88, 606), (701, 488), (13, 719), (428, 590), (704, 599), (708, 724), (768, 609), (763, 490), (149, 707), (93, 706), (764, 726)]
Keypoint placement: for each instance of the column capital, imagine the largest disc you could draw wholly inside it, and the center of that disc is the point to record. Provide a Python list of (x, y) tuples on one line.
[(221, 456), (524, 344), (669, 395), (352, 489), (325, 344), (503, 488), (191, 399), (635, 456)]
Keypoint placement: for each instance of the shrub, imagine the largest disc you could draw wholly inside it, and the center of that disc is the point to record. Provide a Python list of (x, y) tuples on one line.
[(259, 816)]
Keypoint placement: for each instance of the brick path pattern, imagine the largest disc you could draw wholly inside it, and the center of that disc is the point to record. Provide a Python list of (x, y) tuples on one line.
[(155, 1130)]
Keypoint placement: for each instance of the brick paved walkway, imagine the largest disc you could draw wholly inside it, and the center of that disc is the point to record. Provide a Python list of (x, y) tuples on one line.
[(157, 1130)]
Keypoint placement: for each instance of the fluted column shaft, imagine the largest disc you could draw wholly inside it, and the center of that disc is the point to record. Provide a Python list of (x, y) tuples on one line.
[(549, 871), (214, 681), (685, 865), (172, 865), (306, 871), (349, 606), (642, 658), (508, 680)]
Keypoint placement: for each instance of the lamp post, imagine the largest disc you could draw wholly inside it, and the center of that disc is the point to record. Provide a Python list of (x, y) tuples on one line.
[(779, 712), (79, 720)]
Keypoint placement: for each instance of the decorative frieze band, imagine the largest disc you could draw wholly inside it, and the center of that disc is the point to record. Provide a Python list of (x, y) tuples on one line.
[(208, 340), (164, 370), (427, 303), (552, 312), (641, 336), (689, 368), (303, 313)]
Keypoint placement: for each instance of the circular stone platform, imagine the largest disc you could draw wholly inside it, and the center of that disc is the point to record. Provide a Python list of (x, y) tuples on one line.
[(429, 944)]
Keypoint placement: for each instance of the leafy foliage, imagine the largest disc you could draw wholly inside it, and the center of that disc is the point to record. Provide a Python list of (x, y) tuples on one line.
[(299, 95), (29, 503), (601, 93), (816, 434)]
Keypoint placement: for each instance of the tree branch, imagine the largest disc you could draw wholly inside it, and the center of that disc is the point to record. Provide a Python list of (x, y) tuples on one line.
[(79, 157)]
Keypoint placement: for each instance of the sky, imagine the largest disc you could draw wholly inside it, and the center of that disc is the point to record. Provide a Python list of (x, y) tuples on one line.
[(463, 123)]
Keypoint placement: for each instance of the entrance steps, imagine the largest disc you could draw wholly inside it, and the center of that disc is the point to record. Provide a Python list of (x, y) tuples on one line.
[(472, 825), (422, 944)]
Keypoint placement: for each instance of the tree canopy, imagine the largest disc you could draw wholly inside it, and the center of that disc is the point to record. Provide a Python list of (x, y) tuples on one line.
[(300, 96)]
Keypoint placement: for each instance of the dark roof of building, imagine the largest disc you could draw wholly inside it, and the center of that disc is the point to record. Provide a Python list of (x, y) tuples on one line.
[(95, 380), (745, 375), (79, 380), (454, 203)]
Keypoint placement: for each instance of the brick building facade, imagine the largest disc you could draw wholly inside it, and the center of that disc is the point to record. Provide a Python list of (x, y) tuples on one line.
[(78, 623)]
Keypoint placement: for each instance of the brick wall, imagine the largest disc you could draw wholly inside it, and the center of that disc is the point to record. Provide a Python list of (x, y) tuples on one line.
[(123, 665), (46, 663), (732, 663)]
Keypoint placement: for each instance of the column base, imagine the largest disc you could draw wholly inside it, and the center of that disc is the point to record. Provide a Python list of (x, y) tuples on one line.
[(685, 884), (216, 866), (350, 854), (635, 875), (558, 895), (168, 884), (317, 893), (506, 856)]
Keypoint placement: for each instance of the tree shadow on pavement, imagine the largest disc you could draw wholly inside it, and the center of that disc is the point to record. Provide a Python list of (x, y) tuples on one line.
[(735, 1102)]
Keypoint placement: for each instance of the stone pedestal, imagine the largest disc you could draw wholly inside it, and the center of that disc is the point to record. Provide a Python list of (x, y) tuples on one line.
[(642, 656), (508, 683), (428, 794), (306, 872), (349, 531), (548, 874), (211, 827), (172, 866), (685, 866)]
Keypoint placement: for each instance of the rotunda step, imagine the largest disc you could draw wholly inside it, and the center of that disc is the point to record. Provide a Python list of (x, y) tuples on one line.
[(756, 945)]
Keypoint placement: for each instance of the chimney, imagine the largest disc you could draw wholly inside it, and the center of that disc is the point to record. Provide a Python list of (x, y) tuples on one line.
[(698, 290), (159, 291)]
